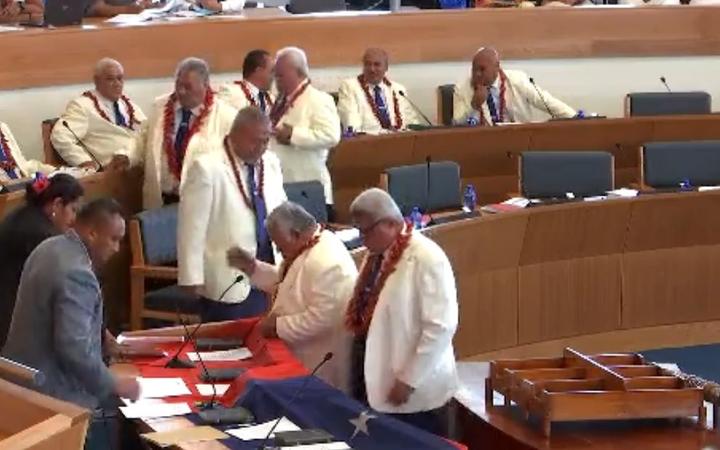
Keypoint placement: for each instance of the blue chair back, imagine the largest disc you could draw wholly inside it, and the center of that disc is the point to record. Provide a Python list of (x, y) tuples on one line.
[(311, 196), (158, 228), (408, 186), (668, 103), (551, 174), (667, 164)]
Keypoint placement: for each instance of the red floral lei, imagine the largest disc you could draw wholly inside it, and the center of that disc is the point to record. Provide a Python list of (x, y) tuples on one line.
[(238, 178), (287, 264), (9, 163), (280, 108), (374, 106), (130, 109), (249, 96), (174, 165), (358, 320)]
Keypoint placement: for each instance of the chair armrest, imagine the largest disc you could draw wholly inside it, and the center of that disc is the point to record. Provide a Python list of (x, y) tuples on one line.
[(158, 272)]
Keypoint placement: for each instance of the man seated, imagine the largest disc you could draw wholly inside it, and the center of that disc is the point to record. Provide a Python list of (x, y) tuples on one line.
[(58, 318), (186, 121), (254, 88), (13, 165), (111, 8), (102, 127), (310, 290), (371, 103), (12, 11), (493, 95)]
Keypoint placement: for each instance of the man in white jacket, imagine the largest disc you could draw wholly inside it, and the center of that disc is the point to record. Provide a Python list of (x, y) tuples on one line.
[(101, 128), (403, 314), (311, 290), (225, 197), (493, 95), (13, 164), (254, 88)]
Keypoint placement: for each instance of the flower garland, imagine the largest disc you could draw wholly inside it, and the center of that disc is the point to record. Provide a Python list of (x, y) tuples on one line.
[(287, 264), (174, 163), (132, 120), (238, 178), (249, 96), (9, 163), (358, 316), (376, 109), (280, 108)]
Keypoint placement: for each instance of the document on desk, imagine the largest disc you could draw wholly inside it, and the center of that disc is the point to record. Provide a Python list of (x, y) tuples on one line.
[(192, 434), (162, 387), (206, 390), (152, 410), (261, 430), (235, 354)]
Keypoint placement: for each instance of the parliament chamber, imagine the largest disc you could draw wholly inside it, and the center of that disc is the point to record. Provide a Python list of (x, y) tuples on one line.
[(599, 275)]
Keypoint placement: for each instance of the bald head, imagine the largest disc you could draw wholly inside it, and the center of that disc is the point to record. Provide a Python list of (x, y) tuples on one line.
[(485, 66), (375, 65), (109, 78)]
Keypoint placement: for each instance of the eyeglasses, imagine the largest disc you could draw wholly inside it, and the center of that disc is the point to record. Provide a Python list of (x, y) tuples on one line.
[(368, 229)]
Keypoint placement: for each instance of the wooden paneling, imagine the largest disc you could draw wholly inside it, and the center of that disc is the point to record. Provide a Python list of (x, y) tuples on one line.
[(31, 57)]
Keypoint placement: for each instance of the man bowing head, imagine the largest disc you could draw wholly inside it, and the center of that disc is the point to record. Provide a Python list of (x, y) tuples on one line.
[(224, 200), (189, 120)]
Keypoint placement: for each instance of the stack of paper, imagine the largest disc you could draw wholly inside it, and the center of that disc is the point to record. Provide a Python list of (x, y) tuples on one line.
[(235, 354), (260, 431), (153, 409), (206, 390), (162, 387)]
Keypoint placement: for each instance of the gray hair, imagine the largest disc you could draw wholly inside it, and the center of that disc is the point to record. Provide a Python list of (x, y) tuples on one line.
[(104, 63), (290, 217), (377, 205), (248, 115), (193, 64), (297, 57)]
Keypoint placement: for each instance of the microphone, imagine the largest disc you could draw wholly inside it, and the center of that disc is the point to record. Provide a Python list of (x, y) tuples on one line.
[(539, 92), (328, 356), (84, 147), (415, 108), (664, 82)]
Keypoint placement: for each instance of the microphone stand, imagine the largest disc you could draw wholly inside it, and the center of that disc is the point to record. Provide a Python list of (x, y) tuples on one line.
[(542, 97), (84, 147), (664, 82), (414, 107)]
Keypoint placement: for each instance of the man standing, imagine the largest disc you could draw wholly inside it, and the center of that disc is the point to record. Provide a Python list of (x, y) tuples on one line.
[(105, 120), (57, 323), (493, 95), (185, 122), (225, 198), (305, 123), (254, 88), (371, 103), (310, 290), (403, 315)]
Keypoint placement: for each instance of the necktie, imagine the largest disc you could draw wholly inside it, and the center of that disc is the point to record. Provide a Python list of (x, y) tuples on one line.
[(261, 101), (382, 107), (492, 107), (4, 159), (119, 118), (376, 264), (181, 134), (264, 247)]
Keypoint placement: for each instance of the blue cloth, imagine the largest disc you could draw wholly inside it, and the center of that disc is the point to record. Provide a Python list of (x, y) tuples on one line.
[(4, 156), (261, 101), (182, 131), (254, 305), (119, 118), (382, 107), (264, 247), (322, 406)]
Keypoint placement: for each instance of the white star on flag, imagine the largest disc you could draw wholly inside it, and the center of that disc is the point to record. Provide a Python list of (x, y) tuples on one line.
[(361, 423)]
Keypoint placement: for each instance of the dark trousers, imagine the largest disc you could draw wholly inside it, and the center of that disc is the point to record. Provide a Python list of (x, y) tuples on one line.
[(357, 372), (170, 198), (434, 421), (255, 305)]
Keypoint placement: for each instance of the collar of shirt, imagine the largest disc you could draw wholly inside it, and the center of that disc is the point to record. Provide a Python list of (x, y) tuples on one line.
[(254, 90), (195, 111), (108, 104)]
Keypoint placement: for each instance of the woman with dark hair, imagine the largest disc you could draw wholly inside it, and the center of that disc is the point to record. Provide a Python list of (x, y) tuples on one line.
[(50, 208)]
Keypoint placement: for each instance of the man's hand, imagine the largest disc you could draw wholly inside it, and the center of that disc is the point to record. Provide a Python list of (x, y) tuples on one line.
[(127, 387), (91, 165), (119, 162), (480, 97), (284, 134), (193, 290), (400, 393), (268, 326), (212, 5), (242, 260)]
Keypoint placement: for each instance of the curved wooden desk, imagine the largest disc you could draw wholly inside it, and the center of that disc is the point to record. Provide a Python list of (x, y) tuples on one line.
[(65, 56)]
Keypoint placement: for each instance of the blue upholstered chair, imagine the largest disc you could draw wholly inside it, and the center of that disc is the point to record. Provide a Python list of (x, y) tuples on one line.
[(667, 103), (153, 242), (408, 186), (546, 174), (667, 164), (311, 196)]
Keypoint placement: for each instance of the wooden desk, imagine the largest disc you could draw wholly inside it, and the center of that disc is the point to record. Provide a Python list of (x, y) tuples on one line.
[(31, 57), (499, 428)]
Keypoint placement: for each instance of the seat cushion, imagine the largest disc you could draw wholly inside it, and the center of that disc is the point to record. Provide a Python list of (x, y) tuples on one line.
[(172, 298)]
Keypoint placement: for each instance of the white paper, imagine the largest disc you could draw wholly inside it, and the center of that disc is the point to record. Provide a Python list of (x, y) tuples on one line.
[(235, 354), (147, 401), (162, 387), (151, 410), (595, 198), (147, 340), (520, 202), (670, 367), (260, 431), (6, 28), (348, 234), (325, 446), (206, 390), (623, 192), (708, 188)]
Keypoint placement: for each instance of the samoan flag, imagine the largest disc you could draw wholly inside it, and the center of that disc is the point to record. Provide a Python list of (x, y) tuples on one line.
[(321, 406)]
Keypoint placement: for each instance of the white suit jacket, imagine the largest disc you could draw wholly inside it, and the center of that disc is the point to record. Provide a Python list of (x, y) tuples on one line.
[(213, 217), (522, 100), (311, 303), (316, 129), (411, 331), (234, 95), (104, 139), (216, 126), (356, 112), (27, 167)]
